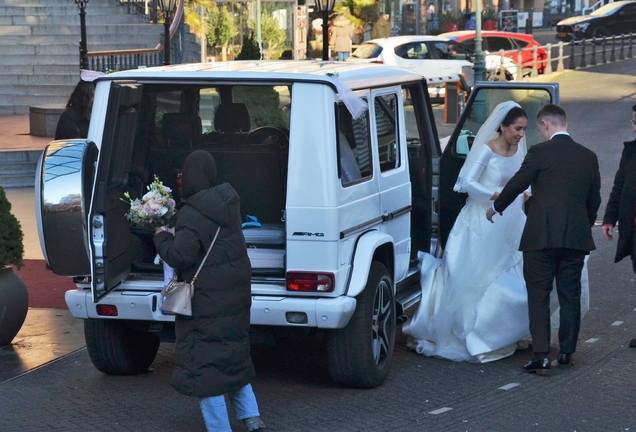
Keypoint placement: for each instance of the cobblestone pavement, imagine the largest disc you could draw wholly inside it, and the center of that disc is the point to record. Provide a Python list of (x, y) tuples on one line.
[(296, 394)]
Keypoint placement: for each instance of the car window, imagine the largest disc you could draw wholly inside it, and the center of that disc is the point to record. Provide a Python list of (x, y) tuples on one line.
[(386, 118), (413, 51), (530, 100), (629, 10), (367, 51), (520, 43), (469, 44), (495, 43), (354, 147), (450, 50)]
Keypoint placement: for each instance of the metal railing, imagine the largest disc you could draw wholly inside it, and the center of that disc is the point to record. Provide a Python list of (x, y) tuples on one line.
[(145, 8), (572, 55)]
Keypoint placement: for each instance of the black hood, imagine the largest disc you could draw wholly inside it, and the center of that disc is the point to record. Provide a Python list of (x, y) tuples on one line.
[(199, 173)]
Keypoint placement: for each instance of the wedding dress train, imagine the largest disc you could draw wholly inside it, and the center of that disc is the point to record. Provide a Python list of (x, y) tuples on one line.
[(474, 300)]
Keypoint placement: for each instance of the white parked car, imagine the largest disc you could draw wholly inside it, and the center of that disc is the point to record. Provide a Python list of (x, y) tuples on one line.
[(345, 200), (431, 56)]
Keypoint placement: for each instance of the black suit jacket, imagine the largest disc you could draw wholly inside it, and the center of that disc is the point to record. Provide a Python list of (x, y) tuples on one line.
[(620, 207), (566, 184)]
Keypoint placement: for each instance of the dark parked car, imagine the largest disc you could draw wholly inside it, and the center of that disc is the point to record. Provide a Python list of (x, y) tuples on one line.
[(612, 19)]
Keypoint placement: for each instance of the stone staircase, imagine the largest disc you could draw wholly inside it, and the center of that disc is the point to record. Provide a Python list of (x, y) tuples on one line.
[(17, 168), (39, 46)]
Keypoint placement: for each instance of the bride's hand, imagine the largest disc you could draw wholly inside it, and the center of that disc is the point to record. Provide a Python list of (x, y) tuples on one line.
[(526, 196), (494, 196)]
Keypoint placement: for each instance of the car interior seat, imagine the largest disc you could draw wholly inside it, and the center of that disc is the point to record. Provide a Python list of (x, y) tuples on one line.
[(181, 130)]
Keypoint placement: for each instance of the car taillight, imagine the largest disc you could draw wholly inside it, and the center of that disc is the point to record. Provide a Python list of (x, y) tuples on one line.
[(106, 310), (309, 281), (377, 61)]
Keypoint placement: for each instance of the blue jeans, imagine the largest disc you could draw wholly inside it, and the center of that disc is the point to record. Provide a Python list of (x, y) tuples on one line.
[(343, 55), (215, 412)]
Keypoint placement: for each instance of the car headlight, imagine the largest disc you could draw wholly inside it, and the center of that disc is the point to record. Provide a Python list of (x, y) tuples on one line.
[(580, 27)]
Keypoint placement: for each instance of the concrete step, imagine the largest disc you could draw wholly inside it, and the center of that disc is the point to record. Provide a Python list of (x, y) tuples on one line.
[(62, 19), (27, 69), (42, 59), (19, 104), (150, 39), (74, 29), (69, 78), (17, 168), (65, 49), (40, 90), (69, 9)]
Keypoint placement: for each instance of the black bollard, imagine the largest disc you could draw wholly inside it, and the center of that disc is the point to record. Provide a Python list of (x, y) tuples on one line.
[(593, 59), (571, 63), (604, 45), (612, 56), (583, 53), (621, 53), (529, 21)]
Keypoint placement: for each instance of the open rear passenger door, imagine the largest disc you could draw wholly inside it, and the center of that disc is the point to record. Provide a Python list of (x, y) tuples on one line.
[(484, 97), (109, 229)]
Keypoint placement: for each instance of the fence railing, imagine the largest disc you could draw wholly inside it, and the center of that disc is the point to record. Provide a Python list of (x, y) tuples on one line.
[(572, 55)]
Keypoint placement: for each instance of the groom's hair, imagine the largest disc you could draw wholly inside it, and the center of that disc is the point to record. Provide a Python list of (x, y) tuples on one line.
[(553, 114)]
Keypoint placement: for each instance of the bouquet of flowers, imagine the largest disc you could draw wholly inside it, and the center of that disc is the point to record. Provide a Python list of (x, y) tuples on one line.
[(156, 208)]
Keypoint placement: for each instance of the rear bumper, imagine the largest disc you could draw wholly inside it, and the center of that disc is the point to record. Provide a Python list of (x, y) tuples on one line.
[(327, 313)]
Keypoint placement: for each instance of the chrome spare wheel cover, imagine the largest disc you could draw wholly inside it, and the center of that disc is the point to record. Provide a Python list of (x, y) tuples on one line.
[(63, 188)]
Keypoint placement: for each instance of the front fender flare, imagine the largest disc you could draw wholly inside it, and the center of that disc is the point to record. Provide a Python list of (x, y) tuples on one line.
[(364, 251)]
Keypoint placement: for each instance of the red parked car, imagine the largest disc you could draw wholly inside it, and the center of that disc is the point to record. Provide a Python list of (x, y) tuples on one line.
[(493, 41)]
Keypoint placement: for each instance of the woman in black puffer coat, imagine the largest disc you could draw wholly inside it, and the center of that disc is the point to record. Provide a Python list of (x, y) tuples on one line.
[(212, 349)]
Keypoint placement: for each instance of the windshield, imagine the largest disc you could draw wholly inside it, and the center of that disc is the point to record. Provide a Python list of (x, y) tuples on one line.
[(366, 51), (606, 10)]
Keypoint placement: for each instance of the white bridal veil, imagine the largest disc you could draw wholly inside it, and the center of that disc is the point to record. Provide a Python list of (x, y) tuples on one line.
[(488, 132)]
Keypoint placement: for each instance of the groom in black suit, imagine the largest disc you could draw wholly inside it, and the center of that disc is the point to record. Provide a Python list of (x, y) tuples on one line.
[(566, 183)]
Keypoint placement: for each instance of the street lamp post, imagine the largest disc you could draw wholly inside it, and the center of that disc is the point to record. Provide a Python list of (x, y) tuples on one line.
[(326, 7), (479, 104), (83, 49), (480, 66), (167, 8)]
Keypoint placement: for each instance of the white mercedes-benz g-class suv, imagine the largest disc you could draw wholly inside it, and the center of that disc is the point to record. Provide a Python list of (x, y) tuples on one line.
[(344, 201)]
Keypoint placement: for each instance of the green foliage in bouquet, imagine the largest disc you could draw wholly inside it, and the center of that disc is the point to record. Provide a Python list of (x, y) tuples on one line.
[(11, 236)]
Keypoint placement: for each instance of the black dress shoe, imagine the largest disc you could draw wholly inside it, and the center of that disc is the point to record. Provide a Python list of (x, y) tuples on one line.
[(565, 360), (632, 343), (540, 366)]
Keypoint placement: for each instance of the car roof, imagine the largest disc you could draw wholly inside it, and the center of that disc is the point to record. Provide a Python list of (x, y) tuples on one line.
[(353, 75), (398, 40), (464, 33)]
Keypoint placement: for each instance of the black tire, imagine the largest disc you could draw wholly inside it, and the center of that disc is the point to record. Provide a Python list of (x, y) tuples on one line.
[(116, 349), (360, 354), (599, 32)]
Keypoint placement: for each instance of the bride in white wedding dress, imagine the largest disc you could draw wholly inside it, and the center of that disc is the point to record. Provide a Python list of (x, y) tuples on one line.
[(474, 299)]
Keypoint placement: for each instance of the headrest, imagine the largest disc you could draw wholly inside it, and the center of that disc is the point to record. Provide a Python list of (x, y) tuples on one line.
[(181, 130), (232, 118)]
